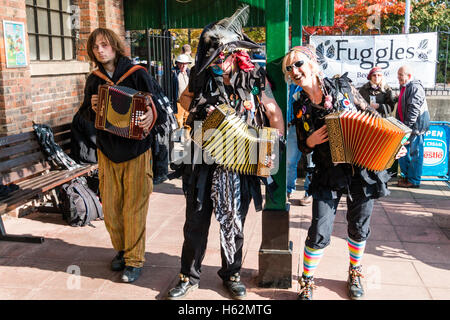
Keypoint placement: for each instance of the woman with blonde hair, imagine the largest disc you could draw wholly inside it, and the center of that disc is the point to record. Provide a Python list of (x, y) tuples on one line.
[(319, 97), (377, 93)]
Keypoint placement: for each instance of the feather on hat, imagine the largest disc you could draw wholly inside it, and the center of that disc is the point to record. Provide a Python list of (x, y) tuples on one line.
[(225, 34)]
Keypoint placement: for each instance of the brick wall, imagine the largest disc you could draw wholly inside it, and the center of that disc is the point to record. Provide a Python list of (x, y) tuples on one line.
[(50, 96), (55, 98), (15, 84)]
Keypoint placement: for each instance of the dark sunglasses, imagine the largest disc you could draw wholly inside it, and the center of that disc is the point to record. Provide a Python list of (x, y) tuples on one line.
[(296, 64)]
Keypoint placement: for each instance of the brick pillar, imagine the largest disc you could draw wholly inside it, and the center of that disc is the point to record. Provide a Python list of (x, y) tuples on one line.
[(15, 83)]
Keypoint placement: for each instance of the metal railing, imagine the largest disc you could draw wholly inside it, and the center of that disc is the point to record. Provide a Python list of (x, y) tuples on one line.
[(154, 49)]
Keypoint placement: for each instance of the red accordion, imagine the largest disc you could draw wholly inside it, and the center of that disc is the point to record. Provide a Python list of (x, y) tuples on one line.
[(364, 139), (119, 109)]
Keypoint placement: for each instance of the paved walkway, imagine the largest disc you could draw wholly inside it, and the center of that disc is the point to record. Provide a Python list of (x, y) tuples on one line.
[(407, 255)]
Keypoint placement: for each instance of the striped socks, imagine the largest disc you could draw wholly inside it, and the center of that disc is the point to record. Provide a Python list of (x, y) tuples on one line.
[(311, 259), (356, 250)]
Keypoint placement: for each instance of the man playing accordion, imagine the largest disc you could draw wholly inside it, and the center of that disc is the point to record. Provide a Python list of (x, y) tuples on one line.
[(223, 74), (125, 165)]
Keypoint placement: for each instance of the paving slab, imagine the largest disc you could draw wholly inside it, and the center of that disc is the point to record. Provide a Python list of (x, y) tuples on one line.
[(407, 254)]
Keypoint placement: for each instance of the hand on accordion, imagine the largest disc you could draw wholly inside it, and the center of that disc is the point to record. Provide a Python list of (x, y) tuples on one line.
[(401, 153), (317, 137), (145, 121), (209, 110), (94, 102)]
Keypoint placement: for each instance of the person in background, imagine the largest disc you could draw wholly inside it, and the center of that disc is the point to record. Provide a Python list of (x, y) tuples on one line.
[(377, 93), (294, 154), (180, 81), (187, 50), (320, 97), (412, 110)]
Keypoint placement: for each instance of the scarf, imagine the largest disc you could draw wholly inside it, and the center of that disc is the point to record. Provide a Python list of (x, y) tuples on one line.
[(226, 196)]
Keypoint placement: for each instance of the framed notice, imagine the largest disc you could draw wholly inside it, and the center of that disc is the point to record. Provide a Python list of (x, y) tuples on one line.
[(15, 45)]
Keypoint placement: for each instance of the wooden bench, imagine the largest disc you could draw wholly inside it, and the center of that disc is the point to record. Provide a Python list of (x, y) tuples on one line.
[(23, 163)]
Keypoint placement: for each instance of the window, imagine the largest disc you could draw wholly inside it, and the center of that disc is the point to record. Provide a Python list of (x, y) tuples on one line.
[(50, 30)]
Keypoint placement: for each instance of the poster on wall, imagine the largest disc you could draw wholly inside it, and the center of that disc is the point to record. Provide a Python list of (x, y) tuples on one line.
[(15, 45), (358, 54)]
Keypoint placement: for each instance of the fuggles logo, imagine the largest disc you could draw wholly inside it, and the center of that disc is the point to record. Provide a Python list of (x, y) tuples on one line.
[(341, 50)]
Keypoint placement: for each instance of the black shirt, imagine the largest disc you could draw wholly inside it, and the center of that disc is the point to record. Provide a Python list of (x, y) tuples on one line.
[(116, 148)]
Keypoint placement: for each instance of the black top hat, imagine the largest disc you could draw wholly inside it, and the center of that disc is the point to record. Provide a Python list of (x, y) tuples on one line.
[(223, 35)]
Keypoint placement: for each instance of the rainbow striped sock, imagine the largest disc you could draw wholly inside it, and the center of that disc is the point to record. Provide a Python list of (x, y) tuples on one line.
[(356, 250), (311, 259)]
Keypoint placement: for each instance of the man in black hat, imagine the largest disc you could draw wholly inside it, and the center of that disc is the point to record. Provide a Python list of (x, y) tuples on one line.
[(223, 73)]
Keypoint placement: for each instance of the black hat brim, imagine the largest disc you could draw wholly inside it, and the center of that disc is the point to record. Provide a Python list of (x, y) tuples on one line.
[(240, 44)]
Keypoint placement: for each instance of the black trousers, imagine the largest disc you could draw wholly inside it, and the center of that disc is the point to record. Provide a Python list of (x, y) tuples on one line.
[(359, 211), (196, 228)]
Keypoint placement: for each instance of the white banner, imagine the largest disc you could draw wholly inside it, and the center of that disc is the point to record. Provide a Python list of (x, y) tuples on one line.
[(358, 54)]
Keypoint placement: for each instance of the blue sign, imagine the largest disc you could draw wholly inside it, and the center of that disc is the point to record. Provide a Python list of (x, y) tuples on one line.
[(436, 149)]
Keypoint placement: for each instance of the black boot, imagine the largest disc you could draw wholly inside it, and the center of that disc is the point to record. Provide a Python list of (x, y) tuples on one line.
[(131, 274), (118, 263), (354, 285), (235, 287), (181, 289), (306, 288)]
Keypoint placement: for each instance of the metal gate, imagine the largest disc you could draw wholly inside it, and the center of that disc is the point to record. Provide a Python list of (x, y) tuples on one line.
[(154, 49)]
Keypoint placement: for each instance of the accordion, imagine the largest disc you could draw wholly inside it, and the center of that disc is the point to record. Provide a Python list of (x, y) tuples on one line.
[(234, 144), (119, 109), (364, 139)]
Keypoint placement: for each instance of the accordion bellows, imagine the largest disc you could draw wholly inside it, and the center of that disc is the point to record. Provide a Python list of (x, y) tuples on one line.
[(236, 145), (365, 140), (119, 109)]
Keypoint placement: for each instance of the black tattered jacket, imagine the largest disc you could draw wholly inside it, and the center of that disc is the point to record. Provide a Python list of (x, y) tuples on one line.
[(207, 92)]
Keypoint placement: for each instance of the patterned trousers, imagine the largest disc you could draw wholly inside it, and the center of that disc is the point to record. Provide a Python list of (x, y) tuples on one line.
[(125, 189)]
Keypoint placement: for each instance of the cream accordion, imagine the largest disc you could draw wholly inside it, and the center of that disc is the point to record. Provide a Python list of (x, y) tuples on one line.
[(236, 145)]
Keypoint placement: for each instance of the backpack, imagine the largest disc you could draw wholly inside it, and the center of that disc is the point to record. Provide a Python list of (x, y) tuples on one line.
[(79, 204)]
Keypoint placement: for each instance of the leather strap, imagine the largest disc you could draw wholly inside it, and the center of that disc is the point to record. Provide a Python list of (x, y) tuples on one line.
[(99, 74)]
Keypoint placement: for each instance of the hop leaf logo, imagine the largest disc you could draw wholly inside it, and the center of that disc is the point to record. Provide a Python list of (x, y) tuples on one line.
[(325, 51), (422, 52)]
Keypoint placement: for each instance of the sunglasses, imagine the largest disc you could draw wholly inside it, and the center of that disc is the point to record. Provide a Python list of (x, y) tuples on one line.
[(296, 64)]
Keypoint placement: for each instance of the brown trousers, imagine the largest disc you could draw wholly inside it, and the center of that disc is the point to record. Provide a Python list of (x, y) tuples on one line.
[(125, 189)]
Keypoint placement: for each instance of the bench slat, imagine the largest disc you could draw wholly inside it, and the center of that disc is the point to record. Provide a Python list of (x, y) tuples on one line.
[(25, 172), (14, 150), (26, 160), (29, 135), (51, 180)]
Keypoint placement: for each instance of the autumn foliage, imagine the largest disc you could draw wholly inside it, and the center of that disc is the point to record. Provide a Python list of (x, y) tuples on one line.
[(372, 16)]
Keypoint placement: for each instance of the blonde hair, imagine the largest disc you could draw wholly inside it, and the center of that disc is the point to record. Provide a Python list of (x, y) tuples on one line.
[(310, 58), (383, 85)]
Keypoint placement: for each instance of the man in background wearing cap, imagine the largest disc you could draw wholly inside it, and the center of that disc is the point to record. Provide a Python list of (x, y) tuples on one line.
[(180, 79)]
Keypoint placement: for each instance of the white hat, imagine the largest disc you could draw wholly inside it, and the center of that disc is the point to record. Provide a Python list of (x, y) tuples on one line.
[(183, 58)]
